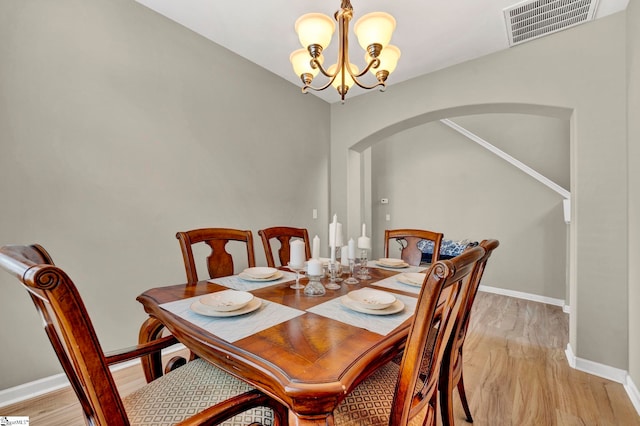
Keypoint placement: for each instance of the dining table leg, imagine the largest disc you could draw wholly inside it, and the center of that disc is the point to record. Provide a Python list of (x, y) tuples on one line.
[(150, 330)]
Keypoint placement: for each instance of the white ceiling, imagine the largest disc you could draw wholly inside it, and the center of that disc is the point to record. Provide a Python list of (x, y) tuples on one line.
[(432, 34)]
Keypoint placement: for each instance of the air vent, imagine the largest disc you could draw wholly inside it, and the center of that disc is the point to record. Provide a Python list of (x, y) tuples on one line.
[(533, 19)]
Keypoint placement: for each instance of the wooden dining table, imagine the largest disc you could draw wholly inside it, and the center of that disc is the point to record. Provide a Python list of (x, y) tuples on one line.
[(308, 352)]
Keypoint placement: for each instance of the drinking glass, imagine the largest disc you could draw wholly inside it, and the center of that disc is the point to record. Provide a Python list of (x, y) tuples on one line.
[(297, 269), (333, 272), (351, 279)]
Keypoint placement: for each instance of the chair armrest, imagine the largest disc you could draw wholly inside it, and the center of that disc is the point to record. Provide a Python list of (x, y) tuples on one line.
[(143, 349), (238, 404)]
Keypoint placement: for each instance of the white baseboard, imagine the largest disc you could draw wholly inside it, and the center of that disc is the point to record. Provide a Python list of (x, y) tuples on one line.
[(634, 394), (607, 372), (32, 389), (53, 383), (595, 368), (525, 296)]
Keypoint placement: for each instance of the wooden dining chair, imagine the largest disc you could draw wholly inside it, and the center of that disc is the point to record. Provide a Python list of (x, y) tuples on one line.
[(204, 393), (397, 391), (283, 234), (408, 240), (219, 262), (451, 372)]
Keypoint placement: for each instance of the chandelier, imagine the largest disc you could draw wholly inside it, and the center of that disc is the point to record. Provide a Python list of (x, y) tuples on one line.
[(373, 30)]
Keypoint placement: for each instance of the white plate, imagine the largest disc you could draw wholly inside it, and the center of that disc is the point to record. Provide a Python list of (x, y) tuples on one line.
[(226, 300), (396, 307), (201, 309), (260, 272), (274, 277), (412, 278), (369, 298), (393, 263)]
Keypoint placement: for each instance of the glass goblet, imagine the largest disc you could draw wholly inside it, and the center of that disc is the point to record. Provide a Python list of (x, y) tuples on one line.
[(364, 270), (333, 272), (297, 269), (351, 279)]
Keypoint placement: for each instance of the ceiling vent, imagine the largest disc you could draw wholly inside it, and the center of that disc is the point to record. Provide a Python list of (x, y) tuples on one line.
[(533, 19)]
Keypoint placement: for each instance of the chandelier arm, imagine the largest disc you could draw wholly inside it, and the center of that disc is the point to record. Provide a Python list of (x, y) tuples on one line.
[(332, 77), (318, 89), (364, 86), (323, 70), (375, 63)]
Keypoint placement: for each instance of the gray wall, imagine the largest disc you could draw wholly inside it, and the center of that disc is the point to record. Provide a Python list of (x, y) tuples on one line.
[(485, 196), (633, 80), (578, 75), (124, 128), (118, 128)]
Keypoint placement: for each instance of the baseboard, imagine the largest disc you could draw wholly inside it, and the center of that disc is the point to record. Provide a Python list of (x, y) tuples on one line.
[(634, 394), (601, 370), (606, 372), (32, 389), (59, 381), (525, 296)]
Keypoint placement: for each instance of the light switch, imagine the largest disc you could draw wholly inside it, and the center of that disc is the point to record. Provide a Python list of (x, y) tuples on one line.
[(315, 213), (384, 201)]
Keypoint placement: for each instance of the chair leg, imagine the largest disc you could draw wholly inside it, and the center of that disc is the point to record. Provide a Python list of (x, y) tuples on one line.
[(446, 400), (463, 398)]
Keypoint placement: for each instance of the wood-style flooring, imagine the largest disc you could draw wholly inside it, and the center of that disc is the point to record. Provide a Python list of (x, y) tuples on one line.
[(515, 371)]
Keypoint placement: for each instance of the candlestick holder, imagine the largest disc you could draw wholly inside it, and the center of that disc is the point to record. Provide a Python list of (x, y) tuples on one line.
[(314, 287), (351, 279), (364, 270), (333, 268)]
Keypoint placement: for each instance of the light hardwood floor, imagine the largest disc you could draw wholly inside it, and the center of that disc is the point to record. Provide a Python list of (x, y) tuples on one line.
[(515, 371)]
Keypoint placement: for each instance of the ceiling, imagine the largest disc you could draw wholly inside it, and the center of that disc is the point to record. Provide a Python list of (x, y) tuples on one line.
[(432, 34)]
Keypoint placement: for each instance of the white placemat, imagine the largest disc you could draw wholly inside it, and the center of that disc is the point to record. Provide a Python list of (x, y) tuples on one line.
[(237, 283), (381, 324), (393, 284), (373, 264), (238, 327)]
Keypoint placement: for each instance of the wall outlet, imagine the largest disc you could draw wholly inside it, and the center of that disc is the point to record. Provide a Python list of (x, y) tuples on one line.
[(388, 217), (315, 213)]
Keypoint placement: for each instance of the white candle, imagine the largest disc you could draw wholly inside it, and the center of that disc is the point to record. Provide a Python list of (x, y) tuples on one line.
[(344, 256), (364, 227), (352, 249), (332, 237), (339, 242), (364, 243), (297, 255), (314, 267), (315, 252)]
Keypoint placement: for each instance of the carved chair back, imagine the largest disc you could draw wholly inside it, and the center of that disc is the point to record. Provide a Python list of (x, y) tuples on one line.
[(408, 239), (220, 261), (284, 235), (451, 371), (70, 331), (430, 334)]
